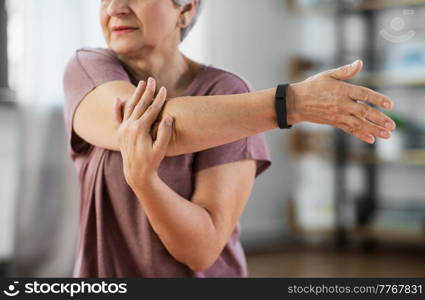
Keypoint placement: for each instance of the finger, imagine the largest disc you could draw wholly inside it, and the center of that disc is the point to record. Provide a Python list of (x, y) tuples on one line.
[(346, 72), (360, 93), (363, 111), (370, 139), (129, 107), (145, 101), (152, 113), (363, 128), (165, 132), (118, 103)]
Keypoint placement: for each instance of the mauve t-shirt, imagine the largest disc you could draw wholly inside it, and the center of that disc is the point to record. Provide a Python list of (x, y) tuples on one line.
[(116, 238)]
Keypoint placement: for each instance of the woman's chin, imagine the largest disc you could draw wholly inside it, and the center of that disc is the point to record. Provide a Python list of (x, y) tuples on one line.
[(122, 48)]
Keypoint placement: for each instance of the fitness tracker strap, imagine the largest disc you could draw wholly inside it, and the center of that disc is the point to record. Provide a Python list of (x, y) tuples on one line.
[(281, 106)]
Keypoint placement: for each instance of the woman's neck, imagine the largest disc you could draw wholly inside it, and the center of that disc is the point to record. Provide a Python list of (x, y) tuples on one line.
[(173, 71)]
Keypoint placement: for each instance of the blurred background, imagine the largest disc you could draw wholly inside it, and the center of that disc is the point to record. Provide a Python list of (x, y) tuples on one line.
[(329, 206)]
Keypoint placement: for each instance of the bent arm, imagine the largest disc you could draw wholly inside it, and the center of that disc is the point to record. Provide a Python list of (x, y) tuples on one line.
[(201, 122), (196, 231)]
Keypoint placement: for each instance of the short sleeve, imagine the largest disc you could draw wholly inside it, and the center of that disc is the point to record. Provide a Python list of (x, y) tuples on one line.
[(253, 147), (86, 70)]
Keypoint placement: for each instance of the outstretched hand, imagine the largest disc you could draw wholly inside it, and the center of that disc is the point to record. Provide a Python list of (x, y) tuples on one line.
[(326, 99)]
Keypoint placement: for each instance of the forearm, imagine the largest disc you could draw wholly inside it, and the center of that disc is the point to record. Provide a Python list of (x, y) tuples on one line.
[(186, 229), (201, 122), (206, 122)]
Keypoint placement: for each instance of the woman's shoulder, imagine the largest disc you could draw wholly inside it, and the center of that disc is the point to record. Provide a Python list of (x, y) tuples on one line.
[(95, 62), (94, 65), (87, 54), (95, 51), (87, 58), (225, 80)]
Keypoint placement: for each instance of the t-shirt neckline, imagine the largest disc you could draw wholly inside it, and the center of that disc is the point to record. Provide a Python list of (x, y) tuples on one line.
[(188, 89), (195, 79)]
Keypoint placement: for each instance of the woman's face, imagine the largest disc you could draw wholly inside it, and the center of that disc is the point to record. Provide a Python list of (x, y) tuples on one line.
[(134, 25)]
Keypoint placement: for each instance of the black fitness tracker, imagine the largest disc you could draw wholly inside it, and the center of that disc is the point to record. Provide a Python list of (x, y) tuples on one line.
[(280, 101)]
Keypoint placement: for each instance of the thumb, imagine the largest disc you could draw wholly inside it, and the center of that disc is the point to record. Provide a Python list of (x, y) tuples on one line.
[(348, 71), (165, 132)]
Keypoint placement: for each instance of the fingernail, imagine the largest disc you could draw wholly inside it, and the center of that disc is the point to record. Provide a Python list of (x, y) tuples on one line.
[(387, 105), (389, 125), (355, 63), (159, 95), (371, 139), (169, 122), (385, 134), (150, 81)]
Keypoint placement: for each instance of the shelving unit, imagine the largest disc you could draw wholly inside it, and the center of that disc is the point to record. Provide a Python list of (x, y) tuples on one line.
[(368, 204), (383, 80), (343, 157), (413, 157), (367, 5), (352, 6)]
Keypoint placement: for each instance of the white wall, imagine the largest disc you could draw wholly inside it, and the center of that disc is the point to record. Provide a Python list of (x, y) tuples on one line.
[(8, 174), (43, 34), (49, 32)]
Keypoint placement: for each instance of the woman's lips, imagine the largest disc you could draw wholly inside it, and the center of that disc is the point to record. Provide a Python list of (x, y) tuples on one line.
[(121, 31)]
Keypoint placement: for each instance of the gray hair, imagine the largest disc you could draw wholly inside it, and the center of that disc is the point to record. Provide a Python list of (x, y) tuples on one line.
[(185, 31)]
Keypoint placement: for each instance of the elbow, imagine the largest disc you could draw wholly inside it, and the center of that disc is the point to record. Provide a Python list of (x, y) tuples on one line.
[(201, 263), (198, 259)]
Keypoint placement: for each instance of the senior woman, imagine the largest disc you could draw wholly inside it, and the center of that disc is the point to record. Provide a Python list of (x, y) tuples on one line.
[(163, 183)]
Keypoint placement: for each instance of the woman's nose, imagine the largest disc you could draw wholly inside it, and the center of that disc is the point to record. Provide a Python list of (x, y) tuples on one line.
[(118, 7)]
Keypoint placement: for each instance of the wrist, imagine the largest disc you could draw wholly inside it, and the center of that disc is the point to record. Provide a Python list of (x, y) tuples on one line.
[(143, 182), (292, 115)]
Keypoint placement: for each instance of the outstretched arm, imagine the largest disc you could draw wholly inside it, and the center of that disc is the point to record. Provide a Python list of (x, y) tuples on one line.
[(204, 122), (200, 122)]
